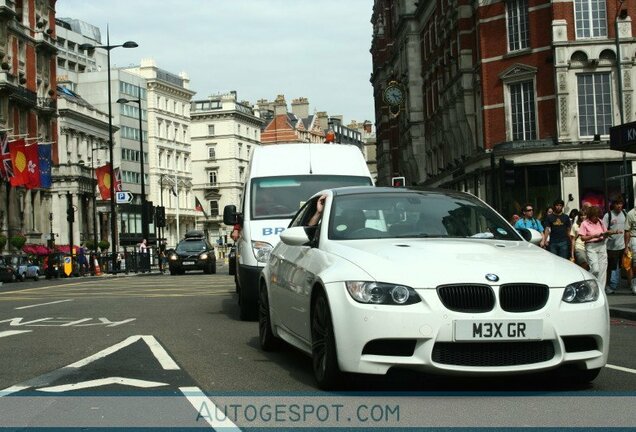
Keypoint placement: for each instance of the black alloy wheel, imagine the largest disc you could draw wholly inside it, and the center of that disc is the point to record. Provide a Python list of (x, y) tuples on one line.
[(266, 337), (323, 345)]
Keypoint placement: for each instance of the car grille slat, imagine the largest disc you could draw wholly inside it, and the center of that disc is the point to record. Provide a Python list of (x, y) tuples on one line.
[(492, 353), (467, 298), (523, 297)]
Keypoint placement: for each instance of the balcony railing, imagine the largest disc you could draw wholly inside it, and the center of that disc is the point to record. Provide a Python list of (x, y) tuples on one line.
[(47, 103)]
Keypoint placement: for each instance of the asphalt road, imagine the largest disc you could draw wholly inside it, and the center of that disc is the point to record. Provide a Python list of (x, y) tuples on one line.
[(175, 347)]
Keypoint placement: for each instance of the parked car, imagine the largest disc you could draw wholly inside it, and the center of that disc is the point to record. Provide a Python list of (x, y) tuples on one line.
[(26, 268), (7, 272), (194, 252), (432, 280)]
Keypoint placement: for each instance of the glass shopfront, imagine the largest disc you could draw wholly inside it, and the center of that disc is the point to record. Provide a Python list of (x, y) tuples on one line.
[(538, 185), (596, 186)]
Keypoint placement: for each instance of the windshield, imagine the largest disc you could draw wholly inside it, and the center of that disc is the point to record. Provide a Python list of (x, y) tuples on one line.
[(281, 197), (415, 215), (191, 246)]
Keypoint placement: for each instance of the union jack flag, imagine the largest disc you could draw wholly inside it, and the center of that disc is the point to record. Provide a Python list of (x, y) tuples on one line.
[(6, 169)]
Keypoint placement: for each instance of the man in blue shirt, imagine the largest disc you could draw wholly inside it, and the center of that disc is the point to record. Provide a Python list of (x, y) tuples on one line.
[(528, 220)]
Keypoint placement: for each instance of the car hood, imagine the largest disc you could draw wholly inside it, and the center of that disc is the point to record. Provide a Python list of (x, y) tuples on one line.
[(428, 263)]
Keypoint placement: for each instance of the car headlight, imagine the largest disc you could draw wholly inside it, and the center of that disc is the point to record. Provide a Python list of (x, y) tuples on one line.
[(581, 292), (382, 293), (203, 256), (261, 250), (174, 257)]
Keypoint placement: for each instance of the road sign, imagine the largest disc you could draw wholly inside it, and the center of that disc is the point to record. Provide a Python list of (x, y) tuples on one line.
[(623, 137), (68, 266), (123, 197)]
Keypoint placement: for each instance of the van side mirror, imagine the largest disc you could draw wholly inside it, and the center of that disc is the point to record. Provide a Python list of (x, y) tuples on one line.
[(230, 217)]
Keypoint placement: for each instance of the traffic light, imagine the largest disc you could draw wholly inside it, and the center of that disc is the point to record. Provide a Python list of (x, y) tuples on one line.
[(70, 214), (507, 168), (398, 181), (160, 216), (149, 210)]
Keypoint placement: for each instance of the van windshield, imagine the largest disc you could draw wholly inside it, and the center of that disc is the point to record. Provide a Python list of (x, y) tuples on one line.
[(281, 197)]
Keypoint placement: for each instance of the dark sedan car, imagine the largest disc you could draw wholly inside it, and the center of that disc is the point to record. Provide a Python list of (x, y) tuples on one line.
[(194, 252), (8, 273)]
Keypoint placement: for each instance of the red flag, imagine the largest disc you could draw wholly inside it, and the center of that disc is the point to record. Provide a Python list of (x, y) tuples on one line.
[(197, 205), (33, 166), (118, 187), (103, 180), (19, 163)]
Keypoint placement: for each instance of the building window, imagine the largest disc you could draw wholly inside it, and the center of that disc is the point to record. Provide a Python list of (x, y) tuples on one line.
[(211, 152), (517, 15), (214, 208), (522, 111), (591, 18), (595, 104), (212, 177), (210, 129)]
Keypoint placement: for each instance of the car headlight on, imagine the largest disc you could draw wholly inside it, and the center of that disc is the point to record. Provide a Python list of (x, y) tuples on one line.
[(261, 250), (382, 293), (174, 257), (203, 256), (581, 292)]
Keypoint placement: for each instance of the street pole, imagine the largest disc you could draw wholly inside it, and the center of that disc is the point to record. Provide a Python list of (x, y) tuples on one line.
[(176, 185), (619, 80), (113, 222), (94, 185)]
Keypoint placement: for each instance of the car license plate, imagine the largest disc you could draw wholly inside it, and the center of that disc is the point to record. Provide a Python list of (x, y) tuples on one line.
[(188, 263), (474, 330)]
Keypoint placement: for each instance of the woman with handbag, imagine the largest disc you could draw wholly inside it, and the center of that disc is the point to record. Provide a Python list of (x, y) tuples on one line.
[(594, 233)]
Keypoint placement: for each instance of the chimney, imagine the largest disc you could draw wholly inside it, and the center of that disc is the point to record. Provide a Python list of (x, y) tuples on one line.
[(300, 107), (280, 106), (323, 120)]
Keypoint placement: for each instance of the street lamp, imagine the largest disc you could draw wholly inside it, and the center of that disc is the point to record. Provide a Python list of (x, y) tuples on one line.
[(144, 215), (113, 222)]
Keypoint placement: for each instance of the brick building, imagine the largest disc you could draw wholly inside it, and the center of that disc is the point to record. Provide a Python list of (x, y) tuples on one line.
[(27, 104), (531, 81)]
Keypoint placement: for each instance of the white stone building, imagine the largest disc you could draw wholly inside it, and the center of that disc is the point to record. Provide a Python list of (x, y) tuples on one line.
[(224, 132), (169, 147)]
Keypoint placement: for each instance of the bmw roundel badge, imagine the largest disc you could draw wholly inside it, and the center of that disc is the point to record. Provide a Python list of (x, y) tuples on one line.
[(492, 277)]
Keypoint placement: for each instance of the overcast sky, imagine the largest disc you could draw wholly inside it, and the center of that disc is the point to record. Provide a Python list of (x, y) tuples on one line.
[(260, 48)]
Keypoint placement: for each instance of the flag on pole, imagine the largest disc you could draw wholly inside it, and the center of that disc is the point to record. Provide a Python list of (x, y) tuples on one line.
[(6, 168), (33, 166), (199, 207), (18, 162), (103, 180), (44, 151)]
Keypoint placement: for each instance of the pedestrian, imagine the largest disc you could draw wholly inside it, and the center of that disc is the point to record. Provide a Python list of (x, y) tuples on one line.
[(556, 235), (143, 255), (514, 219), (573, 214), (528, 220), (630, 243), (593, 232), (577, 244), (81, 259), (615, 220)]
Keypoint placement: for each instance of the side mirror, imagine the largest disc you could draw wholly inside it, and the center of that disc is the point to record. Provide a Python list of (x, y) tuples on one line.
[(294, 236), (230, 217), (530, 235)]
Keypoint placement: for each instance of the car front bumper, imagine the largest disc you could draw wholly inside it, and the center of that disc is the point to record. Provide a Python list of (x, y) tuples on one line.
[(422, 336), (187, 265)]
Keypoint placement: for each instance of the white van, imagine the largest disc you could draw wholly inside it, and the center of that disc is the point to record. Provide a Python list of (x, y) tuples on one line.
[(281, 177)]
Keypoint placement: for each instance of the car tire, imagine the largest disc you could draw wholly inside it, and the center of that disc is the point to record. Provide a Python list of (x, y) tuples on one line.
[(37, 276), (213, 268), (324, 357), (172, 272), (23, 277), (13, 277), (266, 338)]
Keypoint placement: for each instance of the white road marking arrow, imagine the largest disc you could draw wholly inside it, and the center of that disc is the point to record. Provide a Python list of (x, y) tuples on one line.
[(102, 382), (13, 332)]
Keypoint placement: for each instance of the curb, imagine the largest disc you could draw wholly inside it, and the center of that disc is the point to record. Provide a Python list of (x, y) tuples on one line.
[(624, 313)]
